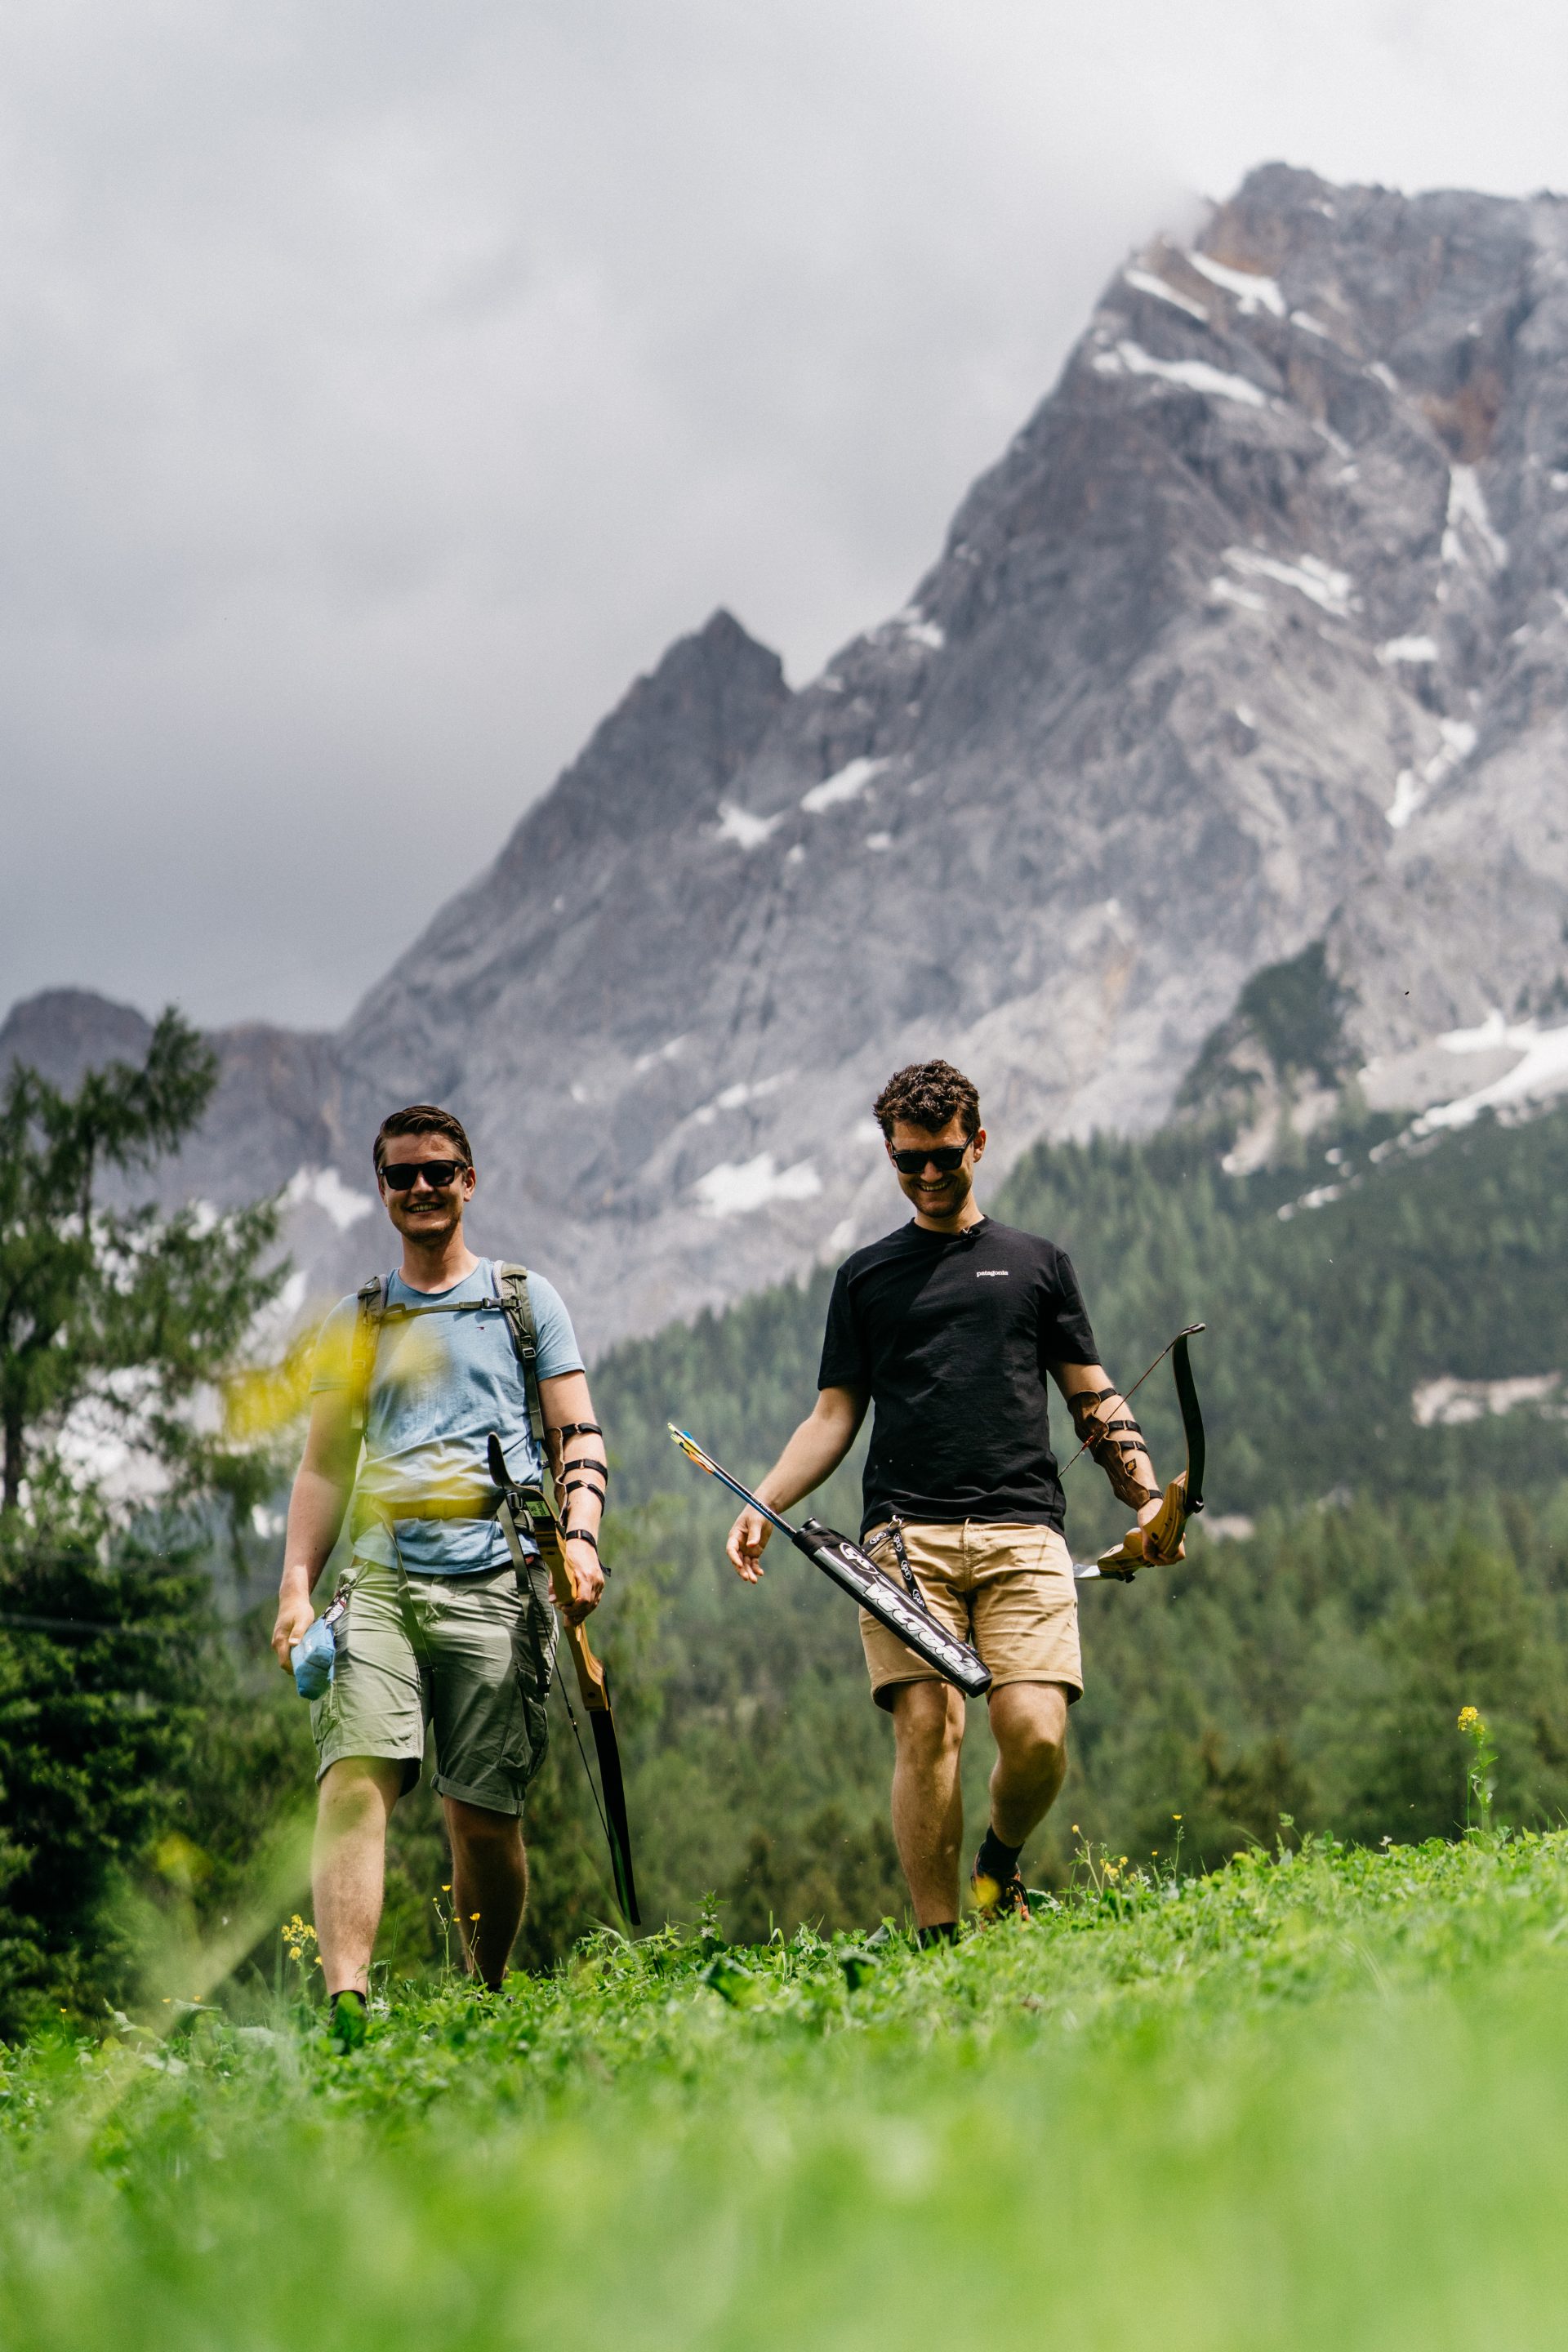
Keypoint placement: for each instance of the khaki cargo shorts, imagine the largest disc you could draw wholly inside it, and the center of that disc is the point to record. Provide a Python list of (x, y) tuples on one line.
[(466, 1658), (1008, 1592)]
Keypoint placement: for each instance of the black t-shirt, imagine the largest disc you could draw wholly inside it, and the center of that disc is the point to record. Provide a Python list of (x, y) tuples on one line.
[(951, 1334)]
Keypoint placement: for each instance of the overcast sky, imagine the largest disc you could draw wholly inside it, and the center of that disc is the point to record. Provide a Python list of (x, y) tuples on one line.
[(383, 386)]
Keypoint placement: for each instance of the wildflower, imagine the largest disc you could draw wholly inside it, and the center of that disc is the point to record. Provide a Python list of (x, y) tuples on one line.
[(1468, 1719), (1176, 1817)]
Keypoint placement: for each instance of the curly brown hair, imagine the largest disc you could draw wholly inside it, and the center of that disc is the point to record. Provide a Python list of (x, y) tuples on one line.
[(928, 1093), (422, 1119)]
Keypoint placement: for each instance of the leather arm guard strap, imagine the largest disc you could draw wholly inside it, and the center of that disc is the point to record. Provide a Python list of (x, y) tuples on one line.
[(1116, 1446), (596, 1482)]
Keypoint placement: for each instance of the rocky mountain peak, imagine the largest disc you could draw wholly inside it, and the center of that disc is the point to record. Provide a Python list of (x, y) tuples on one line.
[(62, 1032), (665, 752), (1247, 659)]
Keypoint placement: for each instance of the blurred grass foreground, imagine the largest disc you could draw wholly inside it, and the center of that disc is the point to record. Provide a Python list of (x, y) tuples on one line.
[(1315, 2098)]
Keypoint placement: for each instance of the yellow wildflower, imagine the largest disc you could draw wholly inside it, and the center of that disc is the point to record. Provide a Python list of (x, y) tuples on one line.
[(1468, 1719)]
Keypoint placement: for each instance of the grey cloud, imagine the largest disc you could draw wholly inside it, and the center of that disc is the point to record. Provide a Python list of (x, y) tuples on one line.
[(385, 385)]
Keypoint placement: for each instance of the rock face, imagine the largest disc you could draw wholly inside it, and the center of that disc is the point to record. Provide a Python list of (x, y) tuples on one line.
[(1253, 644)]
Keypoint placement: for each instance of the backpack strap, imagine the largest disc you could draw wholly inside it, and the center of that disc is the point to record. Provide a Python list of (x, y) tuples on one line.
[(371, 1297), (511, 1283)]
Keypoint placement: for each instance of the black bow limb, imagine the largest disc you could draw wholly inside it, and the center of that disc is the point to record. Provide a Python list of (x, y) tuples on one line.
[(1159, 1542), (525, 1509)]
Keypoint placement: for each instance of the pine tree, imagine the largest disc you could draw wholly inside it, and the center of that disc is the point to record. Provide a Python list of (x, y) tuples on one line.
[(117, 1321), (127, 1309)]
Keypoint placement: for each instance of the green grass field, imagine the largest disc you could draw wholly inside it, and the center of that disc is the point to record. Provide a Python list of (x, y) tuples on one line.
[(1315, 2099)]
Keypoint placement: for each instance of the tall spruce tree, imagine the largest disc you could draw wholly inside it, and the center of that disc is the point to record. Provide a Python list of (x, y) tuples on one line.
[(119, 1320), (123, 1310)]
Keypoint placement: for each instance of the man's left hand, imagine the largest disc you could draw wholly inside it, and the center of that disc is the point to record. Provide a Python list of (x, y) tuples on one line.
[(1162, 1526), (587, 1579), (1157, 1541)]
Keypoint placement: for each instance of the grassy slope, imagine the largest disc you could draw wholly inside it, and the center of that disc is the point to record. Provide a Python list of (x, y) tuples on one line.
[(1312, 2100)]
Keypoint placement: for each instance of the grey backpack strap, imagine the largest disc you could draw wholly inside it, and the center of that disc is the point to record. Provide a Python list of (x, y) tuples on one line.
[(371, 1297), (511, 1283)]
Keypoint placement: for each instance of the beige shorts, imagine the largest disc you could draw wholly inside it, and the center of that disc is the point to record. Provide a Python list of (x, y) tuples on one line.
[(1008, 1592)]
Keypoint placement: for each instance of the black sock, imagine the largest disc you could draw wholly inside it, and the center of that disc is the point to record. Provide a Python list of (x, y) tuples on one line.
[(946, 1931), (349, 2024), (995, 1860)]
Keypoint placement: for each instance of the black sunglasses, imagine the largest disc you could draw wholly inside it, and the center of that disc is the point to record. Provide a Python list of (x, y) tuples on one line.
[(944, 1157), (398, 1175)]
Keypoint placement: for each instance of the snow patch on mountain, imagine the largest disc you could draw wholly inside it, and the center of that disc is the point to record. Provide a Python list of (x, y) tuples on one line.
[(1143, 282), (739, 1187), (1193, 375), (1251, 291), (736, 1096), (1540, 1071), (1308, 574), (1411, 791), (745, 827), (846, 784), (1449, 1403), (323, 1188), (1469, 524)]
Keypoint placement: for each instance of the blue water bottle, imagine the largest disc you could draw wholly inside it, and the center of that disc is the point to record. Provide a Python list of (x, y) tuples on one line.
[(314, 1658)]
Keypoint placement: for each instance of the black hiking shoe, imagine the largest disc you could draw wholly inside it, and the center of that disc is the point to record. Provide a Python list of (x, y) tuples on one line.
[(349, 2022), (998, 1898), (942, 1931)]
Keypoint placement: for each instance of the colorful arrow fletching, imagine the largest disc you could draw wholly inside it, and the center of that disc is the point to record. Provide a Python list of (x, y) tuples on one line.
[(693, 1452)]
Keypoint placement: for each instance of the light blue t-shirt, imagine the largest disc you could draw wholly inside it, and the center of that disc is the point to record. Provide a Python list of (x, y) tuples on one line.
[(441, 1383)]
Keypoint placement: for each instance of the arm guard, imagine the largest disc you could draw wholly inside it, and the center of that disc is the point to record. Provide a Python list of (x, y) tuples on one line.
[(1116, 1444)]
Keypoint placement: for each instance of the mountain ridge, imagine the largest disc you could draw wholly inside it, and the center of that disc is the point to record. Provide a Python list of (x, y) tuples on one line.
[(1250, 647)]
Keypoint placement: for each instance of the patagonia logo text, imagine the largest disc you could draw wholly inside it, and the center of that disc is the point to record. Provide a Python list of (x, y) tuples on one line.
[(992, 1273)]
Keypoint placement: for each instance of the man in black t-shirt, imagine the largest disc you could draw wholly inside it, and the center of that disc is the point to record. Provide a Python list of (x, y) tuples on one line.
[(949, 1328)]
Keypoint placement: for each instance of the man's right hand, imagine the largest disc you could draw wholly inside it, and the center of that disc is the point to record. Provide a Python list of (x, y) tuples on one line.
[(748, 1538), (295, 1618)]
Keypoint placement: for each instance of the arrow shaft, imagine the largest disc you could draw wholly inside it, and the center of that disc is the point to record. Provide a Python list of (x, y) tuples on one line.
[(694, 1453)]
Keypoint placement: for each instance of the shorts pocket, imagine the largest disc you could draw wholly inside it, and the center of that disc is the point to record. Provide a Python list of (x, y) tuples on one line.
[(533, 1660)]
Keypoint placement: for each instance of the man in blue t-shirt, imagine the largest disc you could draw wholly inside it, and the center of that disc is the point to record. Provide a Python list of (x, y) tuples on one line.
[(437, 1630)]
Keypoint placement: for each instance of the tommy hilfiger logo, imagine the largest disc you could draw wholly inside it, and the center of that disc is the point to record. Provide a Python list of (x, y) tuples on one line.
[(992, 1273)]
